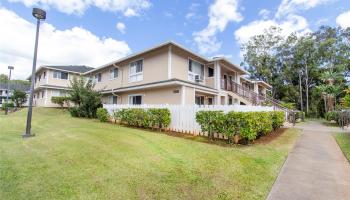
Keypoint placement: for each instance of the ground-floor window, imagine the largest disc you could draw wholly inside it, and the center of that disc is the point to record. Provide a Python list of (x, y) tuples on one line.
[(230, 101), (135, 99), (210, 101), (199, 100), (113, 99)]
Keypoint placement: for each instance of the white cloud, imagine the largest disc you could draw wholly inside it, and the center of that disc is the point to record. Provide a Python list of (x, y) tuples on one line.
[(221, 12), (127, 7), (264, 13), (75, 46), (292, 23), (343, 19), (192, 12), (121, 27), (292, 6)]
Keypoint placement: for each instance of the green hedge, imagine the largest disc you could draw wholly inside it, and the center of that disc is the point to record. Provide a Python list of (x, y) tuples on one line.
[(145, 118), (248, 125), (102, 114), (7, 105)]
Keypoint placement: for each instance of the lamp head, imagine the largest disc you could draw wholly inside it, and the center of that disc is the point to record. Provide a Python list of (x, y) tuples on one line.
[(10, 67), (39, 13)]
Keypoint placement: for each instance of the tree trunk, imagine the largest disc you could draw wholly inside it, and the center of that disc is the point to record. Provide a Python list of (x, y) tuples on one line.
[(301, 94), (307, 89)]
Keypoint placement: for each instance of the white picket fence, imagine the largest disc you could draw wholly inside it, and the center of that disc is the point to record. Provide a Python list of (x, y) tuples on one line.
[(183, 117)]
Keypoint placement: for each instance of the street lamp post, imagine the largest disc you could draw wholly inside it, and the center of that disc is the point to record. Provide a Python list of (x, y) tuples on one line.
[(39, 15), (8, 90)]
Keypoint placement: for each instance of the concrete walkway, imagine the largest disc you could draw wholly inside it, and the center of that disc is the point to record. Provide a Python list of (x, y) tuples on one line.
[(315, 169)]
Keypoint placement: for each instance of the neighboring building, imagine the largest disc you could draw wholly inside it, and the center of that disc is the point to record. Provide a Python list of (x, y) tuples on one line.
[(54, 81), (12, 86), (172, 74)]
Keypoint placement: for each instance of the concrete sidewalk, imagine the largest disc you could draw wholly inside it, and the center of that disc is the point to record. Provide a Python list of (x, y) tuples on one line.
[(315, 169)]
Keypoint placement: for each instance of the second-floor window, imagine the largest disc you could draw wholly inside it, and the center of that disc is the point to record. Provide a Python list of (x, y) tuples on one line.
[(98, 77), (210, 72), (113, 73), (195, 71), (136, 71), (60, 75)]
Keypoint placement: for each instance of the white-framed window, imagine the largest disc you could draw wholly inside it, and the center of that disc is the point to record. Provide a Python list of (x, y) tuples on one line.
[(135, 99), (136, 71), (58, 93), (199, 100), (60, 75), (98, 77), (42, 94), (112, 99), (195, 71), (113, 73)]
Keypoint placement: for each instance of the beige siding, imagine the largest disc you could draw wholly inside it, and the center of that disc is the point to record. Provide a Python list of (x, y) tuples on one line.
[(155, 68)]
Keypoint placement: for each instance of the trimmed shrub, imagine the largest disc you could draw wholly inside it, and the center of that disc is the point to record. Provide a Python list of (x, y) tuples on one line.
[(247, 125), (278, 118), (7, 105), (150, 118), (60, 100), (211, 122), (159, 117), (102, 114)]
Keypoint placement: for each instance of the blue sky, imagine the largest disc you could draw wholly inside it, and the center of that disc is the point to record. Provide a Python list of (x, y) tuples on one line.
[(208, 27)]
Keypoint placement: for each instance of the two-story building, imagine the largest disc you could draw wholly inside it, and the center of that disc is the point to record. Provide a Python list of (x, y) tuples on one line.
[(53, 81), (6, 90), (165, 74), (172, 74)]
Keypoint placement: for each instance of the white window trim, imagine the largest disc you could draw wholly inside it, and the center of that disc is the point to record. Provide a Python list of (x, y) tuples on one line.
[(53, 75), (110, 73), (132, 95), (193, 74), (138, 73), (95, 80)]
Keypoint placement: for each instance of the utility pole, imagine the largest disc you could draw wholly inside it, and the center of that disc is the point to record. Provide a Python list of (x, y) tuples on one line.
[(8, 90), (301, 92)]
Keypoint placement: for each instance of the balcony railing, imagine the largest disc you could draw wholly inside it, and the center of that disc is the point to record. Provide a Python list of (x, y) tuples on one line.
[(250, 95)]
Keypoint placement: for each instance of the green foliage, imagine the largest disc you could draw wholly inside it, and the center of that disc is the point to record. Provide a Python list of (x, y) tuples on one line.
[(19, 98), (210, 122), (319, 58), (159, 117), (84, 97), (288, 105), (248, 125), (277, 118), (102, 114), (60, 100), (332, 116), (150, 118), (7, 105)]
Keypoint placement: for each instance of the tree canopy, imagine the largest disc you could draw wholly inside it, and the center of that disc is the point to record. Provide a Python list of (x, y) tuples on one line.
[(310, 70)]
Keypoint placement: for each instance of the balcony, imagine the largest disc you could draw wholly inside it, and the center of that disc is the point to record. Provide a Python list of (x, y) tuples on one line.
[(250, 95)]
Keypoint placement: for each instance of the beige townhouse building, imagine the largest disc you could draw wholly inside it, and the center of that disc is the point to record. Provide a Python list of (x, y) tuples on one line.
[(165, 74), (53, 81), (172, 74)]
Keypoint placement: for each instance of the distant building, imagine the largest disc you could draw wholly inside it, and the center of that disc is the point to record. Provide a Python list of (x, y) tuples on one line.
[(12, 86)]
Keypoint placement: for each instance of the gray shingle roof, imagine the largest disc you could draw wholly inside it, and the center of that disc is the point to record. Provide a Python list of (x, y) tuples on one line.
[(12, 86), (72, 68)]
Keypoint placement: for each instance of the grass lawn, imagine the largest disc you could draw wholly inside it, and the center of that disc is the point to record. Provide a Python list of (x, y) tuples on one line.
[(343, 139), (71, 158)]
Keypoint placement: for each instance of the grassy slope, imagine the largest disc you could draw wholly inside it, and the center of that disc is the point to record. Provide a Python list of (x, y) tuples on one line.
[(343, 139), (74, 158)]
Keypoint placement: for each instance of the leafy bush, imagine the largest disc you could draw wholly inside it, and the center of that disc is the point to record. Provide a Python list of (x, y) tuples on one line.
[(211, 122), (102, 114), (332, 115), (84, 97), (7, 105), (278, 118), (60, 100), (19, 97), (154, 117), (248, 125), (159, 117)]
